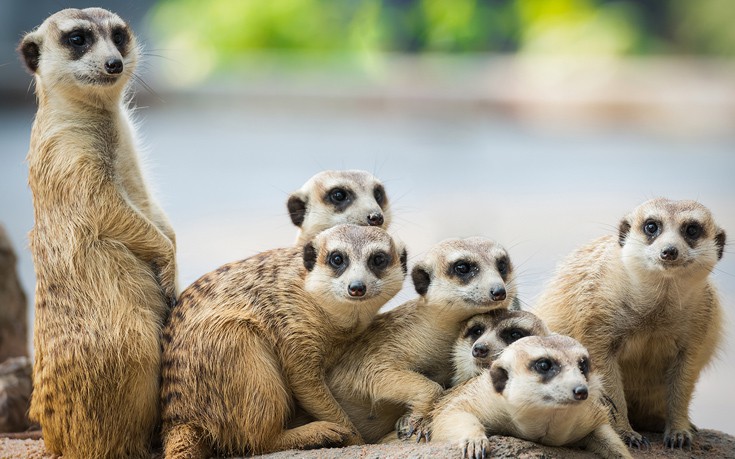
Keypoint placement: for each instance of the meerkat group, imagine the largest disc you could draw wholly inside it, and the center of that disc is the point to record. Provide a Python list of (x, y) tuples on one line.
[(287, 349)]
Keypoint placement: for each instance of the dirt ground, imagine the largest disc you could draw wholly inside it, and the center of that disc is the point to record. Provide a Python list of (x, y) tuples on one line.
[(708, 444)]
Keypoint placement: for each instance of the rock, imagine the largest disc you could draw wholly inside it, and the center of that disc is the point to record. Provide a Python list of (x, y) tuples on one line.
[(13, 314), (708, 444), (15, 394)]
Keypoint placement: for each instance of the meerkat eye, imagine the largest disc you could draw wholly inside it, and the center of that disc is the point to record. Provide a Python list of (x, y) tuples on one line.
[(502, 266), (476, 331), (543, 365), (336, 259), (650, 227), (693, 230), (77, 39), (462, 268), (118, 37), (517, 334), (584, 366), (380, 260), (379, 195), (337, 195)]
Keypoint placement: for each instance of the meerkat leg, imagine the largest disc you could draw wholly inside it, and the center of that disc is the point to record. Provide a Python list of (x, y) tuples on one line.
[(420, 392), (605, 442), (681, 380), (313, 395), (123, 223)]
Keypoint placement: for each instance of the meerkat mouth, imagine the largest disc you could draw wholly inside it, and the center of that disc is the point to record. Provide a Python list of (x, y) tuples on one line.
[(101, 79)]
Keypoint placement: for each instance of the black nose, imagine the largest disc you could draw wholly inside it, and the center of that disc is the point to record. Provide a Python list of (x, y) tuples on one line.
[(375, 219), (580, 393), (480, 350), (670, 253), (497, 292), (357, 288), (114, 66)]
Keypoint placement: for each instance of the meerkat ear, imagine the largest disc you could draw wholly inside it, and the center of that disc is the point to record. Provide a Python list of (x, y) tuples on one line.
[(30, 50), (623, 230), (421, 279), (309, 256), (499, 377), (296, 209), (404, 261), (720, 239)]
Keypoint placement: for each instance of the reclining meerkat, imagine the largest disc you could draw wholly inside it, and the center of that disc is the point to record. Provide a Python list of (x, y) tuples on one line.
[(540, 388), (624, 297), (484, 336), (250, 341), (402, 362), (335, 197), (103, 251)]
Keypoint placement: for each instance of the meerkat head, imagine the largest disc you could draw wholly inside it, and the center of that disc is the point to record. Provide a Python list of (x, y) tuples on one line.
[(544, 371), (89, 50), (353, 270), (671, 237), (335, 197), (484, 337), (466, 276)]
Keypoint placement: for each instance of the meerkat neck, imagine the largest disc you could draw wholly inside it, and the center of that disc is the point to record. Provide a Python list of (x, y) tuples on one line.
[(444, 318), (64, 100)]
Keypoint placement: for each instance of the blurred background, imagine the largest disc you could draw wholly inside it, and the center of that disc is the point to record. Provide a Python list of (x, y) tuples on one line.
[(537, 123)]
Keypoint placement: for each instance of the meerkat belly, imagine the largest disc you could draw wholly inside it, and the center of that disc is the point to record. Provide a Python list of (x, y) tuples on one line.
[(644, 361)]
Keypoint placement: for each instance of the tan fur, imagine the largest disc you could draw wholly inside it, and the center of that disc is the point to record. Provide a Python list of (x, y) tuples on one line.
[(513, 398), (651, 325), (403, 360), (13, 321), (318, 205), (484, 336), (103, 251), (250, 341)]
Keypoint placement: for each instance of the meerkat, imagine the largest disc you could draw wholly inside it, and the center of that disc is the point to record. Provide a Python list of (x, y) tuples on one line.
[(250, 341), (484, 336), (624, 297), (541, 389), (13, 321), (335, 197), (401, 363), (103, 251)]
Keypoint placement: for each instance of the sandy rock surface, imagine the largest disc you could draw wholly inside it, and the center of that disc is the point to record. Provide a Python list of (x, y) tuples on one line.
[(708, 444)]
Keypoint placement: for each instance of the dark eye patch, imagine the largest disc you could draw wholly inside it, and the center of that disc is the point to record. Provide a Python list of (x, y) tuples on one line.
[(338, 261), (475, 332), (503, 267), (78, 42), (379, 195), (378, 262), (584, 366), (511, 335), (651, 228), (339, 197), (464, 270), (692, 231), (547, 368), (120, 39)]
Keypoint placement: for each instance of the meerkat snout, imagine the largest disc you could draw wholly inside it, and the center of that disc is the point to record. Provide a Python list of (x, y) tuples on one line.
[(580, 392), (357, 288), (480, 350), (497, 292), (375, 219), (114, 65), (669, 253)]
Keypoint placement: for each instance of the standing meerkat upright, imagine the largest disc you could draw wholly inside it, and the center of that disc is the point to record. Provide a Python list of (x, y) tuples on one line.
[(402, 362), (103, 251), (335, 197), (248, 343), (484, 336), (540, 388), (643, 304)]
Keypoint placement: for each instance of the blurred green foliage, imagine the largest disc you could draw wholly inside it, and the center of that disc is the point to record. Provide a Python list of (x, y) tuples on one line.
[(222, 29)]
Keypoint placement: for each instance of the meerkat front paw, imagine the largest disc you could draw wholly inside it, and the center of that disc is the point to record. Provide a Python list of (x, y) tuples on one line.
[(634, 439), (324, 434), (678, 438), (475, 448), (410, 424)]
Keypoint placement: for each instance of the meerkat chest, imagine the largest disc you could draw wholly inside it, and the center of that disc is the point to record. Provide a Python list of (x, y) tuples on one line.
[(554, 427), (649, 351)]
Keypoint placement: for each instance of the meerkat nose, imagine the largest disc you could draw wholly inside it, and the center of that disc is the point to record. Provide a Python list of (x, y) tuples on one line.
[(497, 292), (670, 253), (580, 392), (114, 66), (480, 350), (375, 219), (357, 288)]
